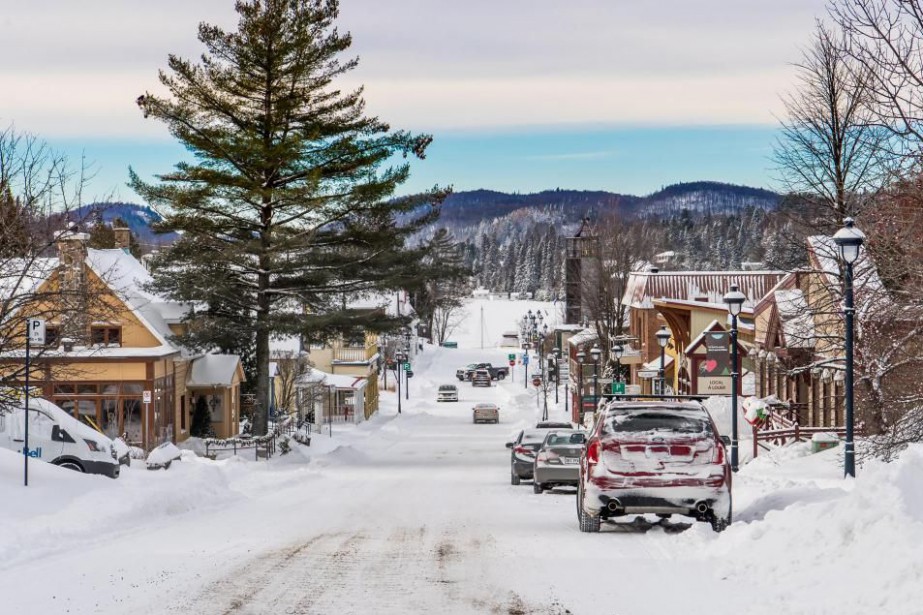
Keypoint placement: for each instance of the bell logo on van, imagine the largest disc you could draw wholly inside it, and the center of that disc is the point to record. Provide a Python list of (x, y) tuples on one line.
[(35, 453)]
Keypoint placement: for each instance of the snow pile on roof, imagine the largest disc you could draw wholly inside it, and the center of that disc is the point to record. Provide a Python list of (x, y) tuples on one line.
[(797, 320), (213, 370), (340, 381), (23, 276)]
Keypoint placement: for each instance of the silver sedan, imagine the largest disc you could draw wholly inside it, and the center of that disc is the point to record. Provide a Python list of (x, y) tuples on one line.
[(558, 460)]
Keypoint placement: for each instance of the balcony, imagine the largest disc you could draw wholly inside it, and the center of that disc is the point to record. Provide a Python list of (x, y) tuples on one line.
[(353, 354)]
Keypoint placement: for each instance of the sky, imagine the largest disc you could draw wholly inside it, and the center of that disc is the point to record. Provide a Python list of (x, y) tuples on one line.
[(519, 95)]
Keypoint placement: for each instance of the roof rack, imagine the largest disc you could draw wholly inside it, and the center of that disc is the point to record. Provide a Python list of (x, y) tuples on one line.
[(627, 397)]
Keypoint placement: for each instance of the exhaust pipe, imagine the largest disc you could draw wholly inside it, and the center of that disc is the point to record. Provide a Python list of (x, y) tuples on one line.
[(701, 508), (614, 505)]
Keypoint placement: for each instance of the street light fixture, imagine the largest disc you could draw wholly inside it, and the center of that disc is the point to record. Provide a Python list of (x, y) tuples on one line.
[(663, 338), (735, 302), (556, 353), (596, 353), (849, 239), (617, 351)]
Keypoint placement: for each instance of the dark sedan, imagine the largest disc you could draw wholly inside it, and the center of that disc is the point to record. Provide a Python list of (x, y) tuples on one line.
[(522, 453)]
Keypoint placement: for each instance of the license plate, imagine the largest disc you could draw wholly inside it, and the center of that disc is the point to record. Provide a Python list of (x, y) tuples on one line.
[(571, 461)]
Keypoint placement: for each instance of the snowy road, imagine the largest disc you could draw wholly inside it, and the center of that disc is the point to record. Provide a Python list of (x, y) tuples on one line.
[(414, 513)]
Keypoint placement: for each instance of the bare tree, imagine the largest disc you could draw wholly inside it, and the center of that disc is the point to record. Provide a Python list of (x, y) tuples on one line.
[(290, 366), (622, 246), (830, 152), (884, 38), (38, 188)]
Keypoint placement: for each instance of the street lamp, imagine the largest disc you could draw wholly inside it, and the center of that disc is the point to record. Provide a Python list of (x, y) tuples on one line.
[(735, 302), (663, 338), (617, 351), (556, 352), (595, 352), (849, 239), (581, 357), (399, 357)]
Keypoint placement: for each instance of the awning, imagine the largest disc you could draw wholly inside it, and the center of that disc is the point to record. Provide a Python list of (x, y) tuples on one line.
[(213, 370)]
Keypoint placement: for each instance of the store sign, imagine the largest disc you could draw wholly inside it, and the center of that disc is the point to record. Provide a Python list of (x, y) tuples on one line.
[(714, 372)]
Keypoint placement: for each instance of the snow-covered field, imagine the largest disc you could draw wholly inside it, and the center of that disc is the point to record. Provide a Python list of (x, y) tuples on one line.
[(414, 513)]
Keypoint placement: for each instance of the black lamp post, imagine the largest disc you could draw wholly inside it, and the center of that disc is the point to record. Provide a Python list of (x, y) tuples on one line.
[(596, 353), (849, 239), (617, 351), (557, 373), (663, 338), (581, 357), (399, 357), (735, 302)]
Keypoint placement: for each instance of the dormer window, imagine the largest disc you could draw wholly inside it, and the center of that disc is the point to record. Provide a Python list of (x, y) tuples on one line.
[(106, 336)]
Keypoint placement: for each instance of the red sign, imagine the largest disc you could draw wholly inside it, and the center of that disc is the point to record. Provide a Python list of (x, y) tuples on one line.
[(537, 381), (512, 363)]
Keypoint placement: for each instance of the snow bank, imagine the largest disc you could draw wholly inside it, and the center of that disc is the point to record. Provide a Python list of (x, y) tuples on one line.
[(853, 547), (63, 507)]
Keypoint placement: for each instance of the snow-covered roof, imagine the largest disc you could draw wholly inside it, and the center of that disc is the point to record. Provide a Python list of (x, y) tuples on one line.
[(796, 319), (710, 286), (654, 365), (340, 381), (393, 304), (127, 277), (583, 336), (213, 370), (826, 255)]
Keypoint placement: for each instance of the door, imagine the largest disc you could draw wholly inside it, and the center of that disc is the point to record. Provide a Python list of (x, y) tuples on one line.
[(132, 421)]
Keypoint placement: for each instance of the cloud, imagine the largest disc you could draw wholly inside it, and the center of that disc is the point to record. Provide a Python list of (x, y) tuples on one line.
[(75, 68)]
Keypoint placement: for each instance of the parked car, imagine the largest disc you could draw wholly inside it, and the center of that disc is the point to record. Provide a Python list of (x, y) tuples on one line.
[(558, 460), (485, 413), (522, 453), (58, 438), (481, 378), (654, 457), (447, 392), (496, 373)]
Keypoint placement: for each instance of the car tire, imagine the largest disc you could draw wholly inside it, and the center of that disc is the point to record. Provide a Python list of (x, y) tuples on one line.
[(588, 524), (71, 465), (514, 478), (537, 487), (718, 523), (501, 376)]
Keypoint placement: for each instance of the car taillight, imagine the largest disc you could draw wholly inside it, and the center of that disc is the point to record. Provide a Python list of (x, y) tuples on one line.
[(719, 454), (592, 452), (521, 450)]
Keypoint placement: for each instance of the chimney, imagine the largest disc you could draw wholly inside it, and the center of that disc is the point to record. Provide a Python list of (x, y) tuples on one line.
[(122, 237), (72, 255)]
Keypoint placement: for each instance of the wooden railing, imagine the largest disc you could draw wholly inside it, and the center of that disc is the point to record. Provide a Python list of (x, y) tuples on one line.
[(784, 427), (357, 354)]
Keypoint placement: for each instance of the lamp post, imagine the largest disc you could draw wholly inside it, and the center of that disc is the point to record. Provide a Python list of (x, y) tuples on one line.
[(557, 373), (849, 240), (663, 338), (735, 302), (617, 351), (595, 352), (581, 357), (399, 357)]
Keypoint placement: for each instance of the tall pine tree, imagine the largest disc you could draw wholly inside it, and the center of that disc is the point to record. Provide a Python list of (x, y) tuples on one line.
[(288, 201)]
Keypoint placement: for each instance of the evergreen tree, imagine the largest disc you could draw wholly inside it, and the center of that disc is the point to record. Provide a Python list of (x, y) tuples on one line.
[(13, 225), (201, 426), (287, 203)]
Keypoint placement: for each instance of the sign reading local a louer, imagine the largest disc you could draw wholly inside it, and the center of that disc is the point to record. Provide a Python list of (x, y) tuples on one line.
[(713, 375)]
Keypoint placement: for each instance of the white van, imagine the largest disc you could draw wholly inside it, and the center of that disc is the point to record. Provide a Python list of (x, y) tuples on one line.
[(58, 438)]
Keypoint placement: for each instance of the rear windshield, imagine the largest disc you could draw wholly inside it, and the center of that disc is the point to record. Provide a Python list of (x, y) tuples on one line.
[(447, 387), (566, 439), (638, 421), (534, 437)]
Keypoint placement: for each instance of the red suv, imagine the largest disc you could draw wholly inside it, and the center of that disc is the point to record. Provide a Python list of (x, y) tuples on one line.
[(654, 457)]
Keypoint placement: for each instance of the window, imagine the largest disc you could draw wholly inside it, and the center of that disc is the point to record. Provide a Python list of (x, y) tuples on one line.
[(106, 336), (52, 337)]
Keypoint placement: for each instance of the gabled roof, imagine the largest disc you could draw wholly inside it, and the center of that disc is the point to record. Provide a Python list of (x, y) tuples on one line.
[(644, 287), (214, 370)]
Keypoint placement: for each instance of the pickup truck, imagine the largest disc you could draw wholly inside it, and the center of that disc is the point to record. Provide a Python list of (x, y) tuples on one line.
[(496, 373)]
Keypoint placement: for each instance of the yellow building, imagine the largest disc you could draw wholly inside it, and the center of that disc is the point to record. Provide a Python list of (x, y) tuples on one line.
[(109, 358)]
